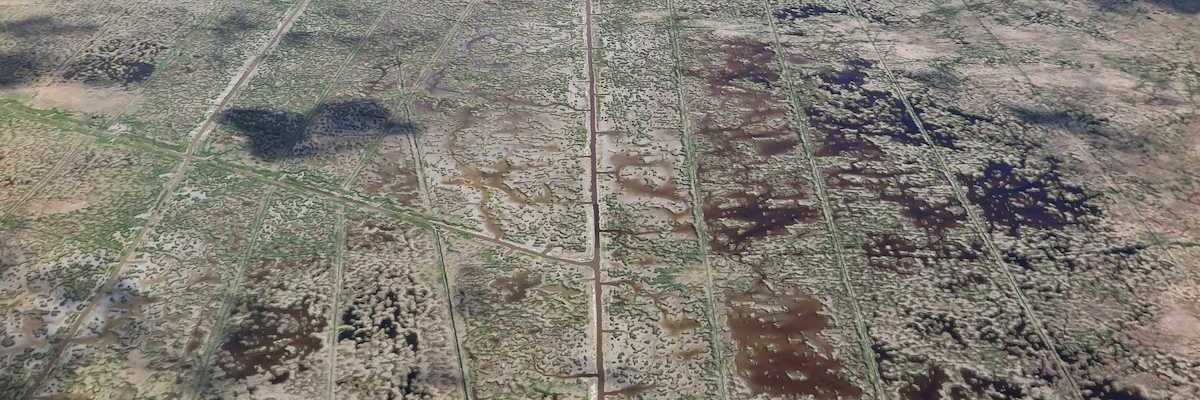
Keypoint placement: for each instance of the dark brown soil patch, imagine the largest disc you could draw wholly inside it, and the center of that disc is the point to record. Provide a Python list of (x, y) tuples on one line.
[(269, 337), (780, 351)]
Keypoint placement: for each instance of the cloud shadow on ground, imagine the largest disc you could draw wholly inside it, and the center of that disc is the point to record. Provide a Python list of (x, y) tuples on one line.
[(277, 135)]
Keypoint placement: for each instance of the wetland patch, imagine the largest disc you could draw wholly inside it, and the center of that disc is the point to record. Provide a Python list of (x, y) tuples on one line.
[(780, 348), (752, 132), (1023, 196), (738, 218)]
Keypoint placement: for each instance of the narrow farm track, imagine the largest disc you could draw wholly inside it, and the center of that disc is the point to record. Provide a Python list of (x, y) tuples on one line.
[(716, 328), (406, 215), (139, 143), (407, 98), (440, 252), (337, 74), (54, 173), (833, 234), (597, 260), (177, 175), (980, 228), (339, 261), (427, 194), (1088, 152), (231, 292), (339, 270)]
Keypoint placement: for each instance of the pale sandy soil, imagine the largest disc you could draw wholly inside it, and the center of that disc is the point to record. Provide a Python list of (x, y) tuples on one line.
[(78, 97)]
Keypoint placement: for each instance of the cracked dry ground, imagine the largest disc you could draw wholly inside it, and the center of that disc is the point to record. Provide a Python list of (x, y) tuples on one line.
[(588, 199)]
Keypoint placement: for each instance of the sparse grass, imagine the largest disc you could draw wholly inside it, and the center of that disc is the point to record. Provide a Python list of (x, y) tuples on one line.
[(933, 229)]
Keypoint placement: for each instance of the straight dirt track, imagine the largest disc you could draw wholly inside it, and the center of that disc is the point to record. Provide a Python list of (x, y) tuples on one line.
[(199, 135), (596, 263)]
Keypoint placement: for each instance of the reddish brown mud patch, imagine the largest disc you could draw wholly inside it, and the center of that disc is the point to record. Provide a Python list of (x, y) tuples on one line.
[(492, 178), (776, 147), (747, 63), (933, 218), (737, 218), (689, 354), (780, 351), (742, 79), (487, 181), (750, 130), (401, 183)]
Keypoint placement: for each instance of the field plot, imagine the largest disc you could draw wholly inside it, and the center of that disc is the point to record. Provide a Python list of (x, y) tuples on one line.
[(659, 325), (1040, 235), (502, 125), (286, 120), (393, 316), (108, 64), (1123, 110), (408, 49), (1060, 220), (60, 241), (39, 37), (600, 199), (272, 331), (317, 125), (33, 151), (103, 77), (929, 292), (778, 276), (204, 65), (143, 338), (524, 323)]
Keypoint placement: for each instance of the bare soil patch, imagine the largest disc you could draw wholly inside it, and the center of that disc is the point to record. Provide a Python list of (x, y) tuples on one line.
[(74, 96)]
